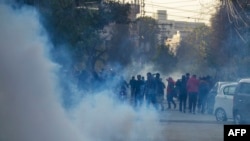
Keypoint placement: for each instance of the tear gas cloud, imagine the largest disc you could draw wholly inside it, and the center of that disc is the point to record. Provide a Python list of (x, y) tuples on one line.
[(30, 109), (150, 68)]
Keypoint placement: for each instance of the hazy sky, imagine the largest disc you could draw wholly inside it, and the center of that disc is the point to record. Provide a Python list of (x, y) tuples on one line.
[(184, 10)]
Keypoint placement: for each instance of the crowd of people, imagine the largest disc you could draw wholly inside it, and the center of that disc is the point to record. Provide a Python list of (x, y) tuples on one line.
[(190, 91)]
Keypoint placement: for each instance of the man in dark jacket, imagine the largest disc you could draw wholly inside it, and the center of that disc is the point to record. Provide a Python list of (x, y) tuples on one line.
[(139, 91), (132, 83), (183, 94), (150, 90), (203, 92), (160, 86)]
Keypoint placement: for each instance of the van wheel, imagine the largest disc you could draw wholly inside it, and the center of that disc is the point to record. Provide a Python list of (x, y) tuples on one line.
[(220, 115), (237, 118)]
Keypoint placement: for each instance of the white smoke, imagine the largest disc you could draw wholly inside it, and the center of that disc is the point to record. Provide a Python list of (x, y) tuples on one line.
[(29, 107), (29, 110), (104, 119)]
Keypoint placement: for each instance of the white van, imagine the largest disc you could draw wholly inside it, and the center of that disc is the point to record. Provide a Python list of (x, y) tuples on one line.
[(241, 103)]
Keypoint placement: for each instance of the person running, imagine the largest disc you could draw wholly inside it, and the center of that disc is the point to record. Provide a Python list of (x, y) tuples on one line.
[(170, 92)]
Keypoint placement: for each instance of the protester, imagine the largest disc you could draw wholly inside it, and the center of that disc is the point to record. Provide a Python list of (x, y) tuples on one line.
[(192, 89), (202, 95), (132, 85), (183, 94), (171, 92), (160, 86), (139, 91), (150, 90)]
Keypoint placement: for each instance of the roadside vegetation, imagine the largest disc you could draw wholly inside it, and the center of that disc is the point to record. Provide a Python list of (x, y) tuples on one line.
[(221, 50)]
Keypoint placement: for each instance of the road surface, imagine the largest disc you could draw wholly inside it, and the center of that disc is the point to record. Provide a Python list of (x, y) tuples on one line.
[(179, 126)]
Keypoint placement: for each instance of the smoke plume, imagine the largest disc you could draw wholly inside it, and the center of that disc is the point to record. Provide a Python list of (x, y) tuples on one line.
[(30, 109)]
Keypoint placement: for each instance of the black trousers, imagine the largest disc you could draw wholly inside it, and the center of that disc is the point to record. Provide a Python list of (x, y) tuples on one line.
[(170, 99), (182, 102), (192, 101)]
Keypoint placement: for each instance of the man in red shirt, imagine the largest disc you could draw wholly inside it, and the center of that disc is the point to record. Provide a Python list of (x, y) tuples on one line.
[(192, 90)]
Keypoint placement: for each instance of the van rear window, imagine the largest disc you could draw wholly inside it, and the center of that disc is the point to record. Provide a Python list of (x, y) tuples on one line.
[(244, 88)]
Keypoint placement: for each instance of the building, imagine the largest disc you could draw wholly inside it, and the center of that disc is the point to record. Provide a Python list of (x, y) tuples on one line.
[(171, 32)]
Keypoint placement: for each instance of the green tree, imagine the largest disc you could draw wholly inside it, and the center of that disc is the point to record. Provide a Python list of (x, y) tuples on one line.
[(192, 51), (147, 32), (75, 26), (121, 49), (228, 52), (165, 59)]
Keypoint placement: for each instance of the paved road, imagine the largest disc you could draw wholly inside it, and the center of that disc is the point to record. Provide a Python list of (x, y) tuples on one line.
[(189, 127)]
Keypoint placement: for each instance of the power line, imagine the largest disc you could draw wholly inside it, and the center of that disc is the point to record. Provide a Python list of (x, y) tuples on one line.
[(188, 17), (173, 2), (184, 10), (192, 5), (206, 5)]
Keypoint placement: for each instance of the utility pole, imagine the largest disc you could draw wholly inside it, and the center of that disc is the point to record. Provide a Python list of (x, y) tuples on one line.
[(142, 8)]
